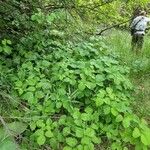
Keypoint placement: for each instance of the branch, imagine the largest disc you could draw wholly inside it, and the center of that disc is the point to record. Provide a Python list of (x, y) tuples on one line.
[(113, 26)]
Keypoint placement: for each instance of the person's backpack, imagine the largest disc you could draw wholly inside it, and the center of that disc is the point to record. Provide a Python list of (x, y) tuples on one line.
[(132, 29)]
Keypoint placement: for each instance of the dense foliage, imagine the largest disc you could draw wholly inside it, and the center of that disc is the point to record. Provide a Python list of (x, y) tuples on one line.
[(61, 93)]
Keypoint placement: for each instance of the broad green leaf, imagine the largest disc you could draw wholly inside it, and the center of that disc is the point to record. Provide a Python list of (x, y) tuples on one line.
[(4, 42), (67, 148), (136, 133), (85, 117), (90, 85), (126, 122), (39, 132), (49, 134), (18, 83), (119, 118), (28, 96), (89, 110), (99, 102), (66, 131), (81, 86), (41, 140), (96, 140), (39, 94), (31, 89), (9, 42), (114, 111), (67, 105), (32, 126), (54, 143), (71, 141), (145, 139), (45, 63), (89, 132), (109, 90), (8, 144), (78, 122), (99, 78), (40, 123), (17, 128), (58, 104), (79, 132), (76, 114), (86, 140), (7, 49), (80, 147), (107, 110)]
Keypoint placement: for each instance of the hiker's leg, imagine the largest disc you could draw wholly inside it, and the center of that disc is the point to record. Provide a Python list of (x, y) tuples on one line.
[(134, 42), (140, 43)]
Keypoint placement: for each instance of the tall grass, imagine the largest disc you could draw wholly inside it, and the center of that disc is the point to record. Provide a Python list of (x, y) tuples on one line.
[(120, 42)]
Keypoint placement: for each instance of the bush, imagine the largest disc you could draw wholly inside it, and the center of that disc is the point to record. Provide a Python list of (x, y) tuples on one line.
[(77, 97), (72, 96)]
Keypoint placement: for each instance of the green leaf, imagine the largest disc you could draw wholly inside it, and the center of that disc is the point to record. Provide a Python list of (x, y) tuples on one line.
[(58, 105), (96, 140), (66, 131), (86, 140), (45, 63), (9, 42), (41, 140), (99, 78), (90, 132), (80, 147), (28, 96), (40, 123), (76, 114), (67, 148), (17, 128), (126, 122), (7, 49), (136, 133), (78, 122), (119, 118), (145, 139), (39, 94), (99, 102), (85, 117), (81, 86), (79, 132), (67, 106), (90, 85), (71, 141), (49, 134), (4, 42), (32, 126), (109, 90), (114, 111), (31, 89), (8, 144), (106, 110), (89, 110), (54, 143)]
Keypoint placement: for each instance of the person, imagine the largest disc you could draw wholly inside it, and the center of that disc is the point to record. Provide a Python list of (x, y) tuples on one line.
[(138, 27)]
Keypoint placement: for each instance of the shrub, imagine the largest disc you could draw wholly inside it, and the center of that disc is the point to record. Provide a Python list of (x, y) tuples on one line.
[(78, 97)]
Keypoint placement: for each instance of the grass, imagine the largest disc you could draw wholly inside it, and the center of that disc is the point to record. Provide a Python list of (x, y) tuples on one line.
[(120, 41)]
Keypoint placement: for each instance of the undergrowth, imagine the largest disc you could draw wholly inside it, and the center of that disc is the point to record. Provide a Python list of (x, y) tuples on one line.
[(120, 42), (67, 96)]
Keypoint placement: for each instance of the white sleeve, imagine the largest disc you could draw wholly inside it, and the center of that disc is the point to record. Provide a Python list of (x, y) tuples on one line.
[(132, 23)]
